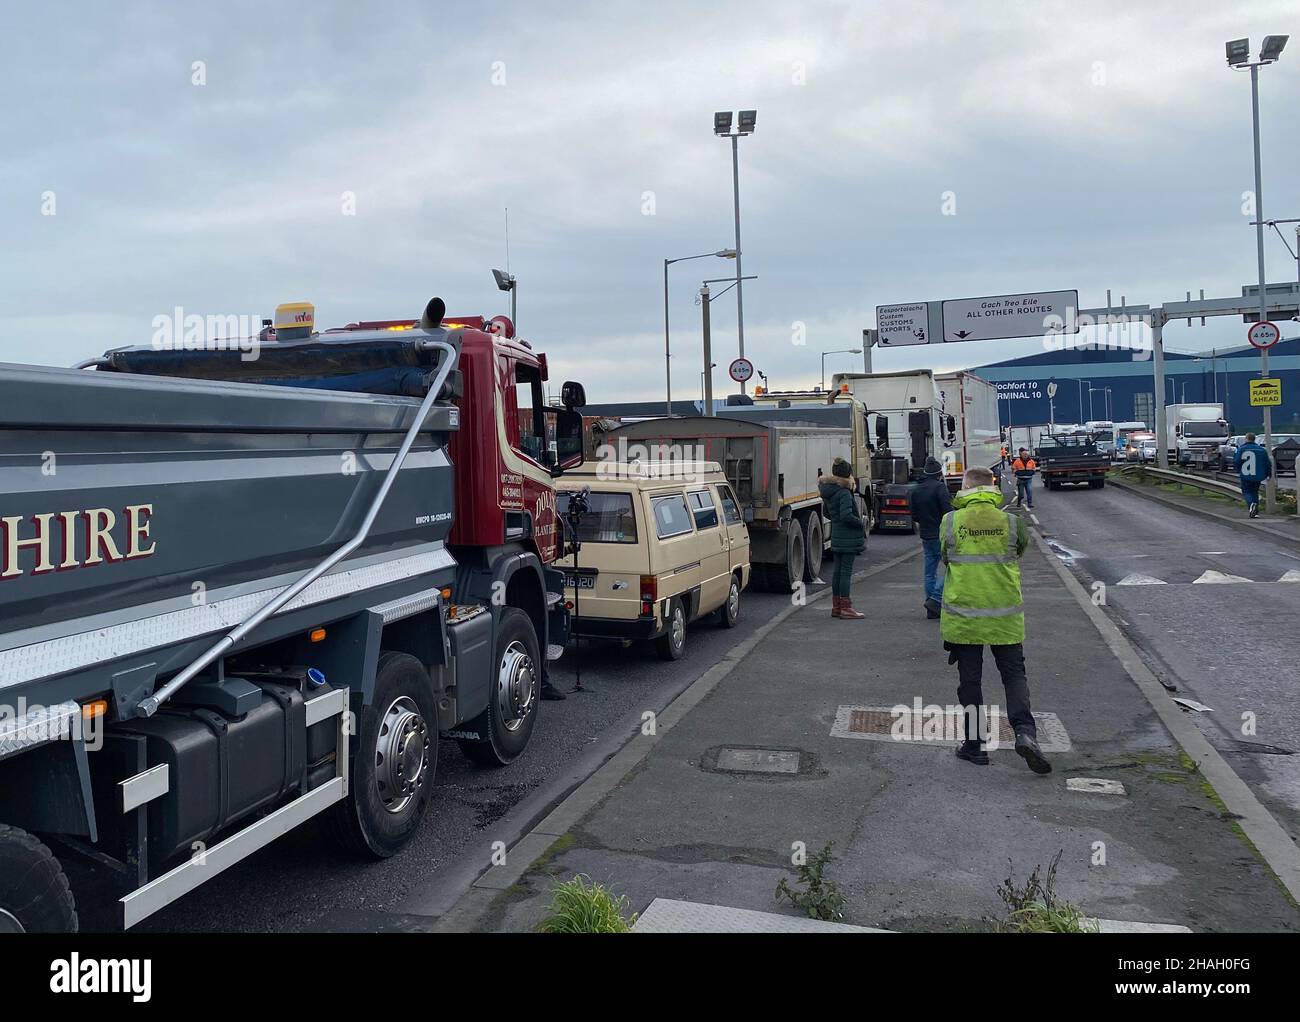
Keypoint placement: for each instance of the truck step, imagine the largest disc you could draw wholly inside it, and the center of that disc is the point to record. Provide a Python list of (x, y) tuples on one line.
[(553, 598), (554, 651)]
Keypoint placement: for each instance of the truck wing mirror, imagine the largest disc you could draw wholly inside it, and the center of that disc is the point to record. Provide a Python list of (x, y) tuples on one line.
[(952, 425), (573, 395), (569, 451), (882, 431)]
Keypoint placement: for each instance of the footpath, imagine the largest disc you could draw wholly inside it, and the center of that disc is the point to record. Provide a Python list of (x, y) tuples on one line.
[(790, 743)]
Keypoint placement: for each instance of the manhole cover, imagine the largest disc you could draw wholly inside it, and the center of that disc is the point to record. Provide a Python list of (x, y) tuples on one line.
[(758, 761), (936, 725)]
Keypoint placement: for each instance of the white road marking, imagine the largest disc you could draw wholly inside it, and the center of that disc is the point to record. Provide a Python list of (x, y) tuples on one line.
[(1140, 580), (1218, 578), (1291, 576)]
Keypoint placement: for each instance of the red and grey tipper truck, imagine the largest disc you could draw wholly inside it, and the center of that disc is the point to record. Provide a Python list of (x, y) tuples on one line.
[(240, 592)]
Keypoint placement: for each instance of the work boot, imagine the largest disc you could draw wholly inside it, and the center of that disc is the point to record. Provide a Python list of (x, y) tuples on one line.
[(1028, 750), (551, 693), (973, 752), (835, 605), (847, 613), (932, 609)]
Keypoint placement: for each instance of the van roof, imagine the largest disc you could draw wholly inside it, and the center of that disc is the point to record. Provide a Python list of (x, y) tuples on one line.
[(650, 473)]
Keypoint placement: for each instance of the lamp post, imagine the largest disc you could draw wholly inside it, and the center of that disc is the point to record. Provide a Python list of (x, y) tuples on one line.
[(725, 253), (837, 351), (1238, 53), (706, 299), (745, 122), (507, 282)]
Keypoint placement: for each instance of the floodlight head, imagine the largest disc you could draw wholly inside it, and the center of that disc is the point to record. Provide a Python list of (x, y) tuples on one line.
[(1238, 52), (505, 281), (1273, 47), (726, 253), (722, 122), (747, 119)]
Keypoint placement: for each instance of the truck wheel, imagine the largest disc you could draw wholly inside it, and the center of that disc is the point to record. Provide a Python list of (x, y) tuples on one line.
[(672, 644), (392, 771), (34, 892), (729, 612), (509, 718), (784, 576), (815, 547)]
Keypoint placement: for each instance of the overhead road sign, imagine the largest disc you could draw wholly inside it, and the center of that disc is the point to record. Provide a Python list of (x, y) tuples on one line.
[(1287, 294), (1265, 393), (1002, 316), (898, 325), (1263, 335)]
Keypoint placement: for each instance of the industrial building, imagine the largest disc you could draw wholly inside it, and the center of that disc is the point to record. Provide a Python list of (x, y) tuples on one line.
[(1119, 384)]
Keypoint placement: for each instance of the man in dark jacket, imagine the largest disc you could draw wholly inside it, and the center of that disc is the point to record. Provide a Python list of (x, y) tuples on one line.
[(1253, 467), (847, 536), (930, 502)]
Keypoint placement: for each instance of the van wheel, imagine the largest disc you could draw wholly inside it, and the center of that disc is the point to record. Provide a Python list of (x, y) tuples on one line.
[(508, 720), (815, 547), (672, 644), (392, 771), (729, 612), (34, 892)]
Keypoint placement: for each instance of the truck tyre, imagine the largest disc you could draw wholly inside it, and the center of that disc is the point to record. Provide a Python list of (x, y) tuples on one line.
[(783, 577), (814, 547), (392, 770), (1096, 484), (672, 644), (512, 710), (729, 612), (34, 892)]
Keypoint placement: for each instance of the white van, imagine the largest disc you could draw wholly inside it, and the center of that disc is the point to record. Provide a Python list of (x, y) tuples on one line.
[(661, 546)]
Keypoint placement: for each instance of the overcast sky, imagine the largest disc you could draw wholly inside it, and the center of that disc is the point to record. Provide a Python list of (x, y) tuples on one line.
[(1085, 145)]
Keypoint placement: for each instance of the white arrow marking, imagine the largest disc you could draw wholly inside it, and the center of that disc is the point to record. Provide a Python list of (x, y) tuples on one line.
[(1291, 576), (1140, 580), (1218, 577)]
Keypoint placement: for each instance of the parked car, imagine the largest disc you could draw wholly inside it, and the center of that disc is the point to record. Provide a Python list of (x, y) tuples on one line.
[(661, 546)]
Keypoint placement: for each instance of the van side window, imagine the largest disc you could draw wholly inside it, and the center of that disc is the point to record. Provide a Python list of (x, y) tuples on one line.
[(706, 515), (729, 507), (671, 516)]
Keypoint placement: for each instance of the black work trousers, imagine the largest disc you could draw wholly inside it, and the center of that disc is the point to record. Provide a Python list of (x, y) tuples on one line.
[(970, 691)]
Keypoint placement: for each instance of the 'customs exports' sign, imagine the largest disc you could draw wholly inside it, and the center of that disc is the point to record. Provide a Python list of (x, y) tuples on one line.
[(904, 324), (1265, 393), (999, 316)]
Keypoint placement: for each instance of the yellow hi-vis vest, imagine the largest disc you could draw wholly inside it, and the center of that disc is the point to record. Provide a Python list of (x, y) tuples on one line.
[(981, 545)]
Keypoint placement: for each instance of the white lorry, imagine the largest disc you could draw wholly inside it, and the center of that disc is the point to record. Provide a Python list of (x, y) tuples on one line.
[(1193, 432), (1103, 434), (977, 440)]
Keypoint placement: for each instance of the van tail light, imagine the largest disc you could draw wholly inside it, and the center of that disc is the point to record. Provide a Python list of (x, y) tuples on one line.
[(895, 502), (649, 594)]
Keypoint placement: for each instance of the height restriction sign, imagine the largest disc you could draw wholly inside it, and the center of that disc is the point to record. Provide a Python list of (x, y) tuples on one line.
[(1263, 334), (1265, 393)]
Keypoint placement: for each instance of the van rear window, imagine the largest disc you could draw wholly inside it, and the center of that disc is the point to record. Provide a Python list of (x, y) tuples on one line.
[(609, 517)]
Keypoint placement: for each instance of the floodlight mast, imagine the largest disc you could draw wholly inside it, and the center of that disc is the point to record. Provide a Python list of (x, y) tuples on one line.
[(746, 122)]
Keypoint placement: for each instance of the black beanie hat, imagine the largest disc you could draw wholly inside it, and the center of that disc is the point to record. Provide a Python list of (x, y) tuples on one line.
[(932, 467), (841, 468)]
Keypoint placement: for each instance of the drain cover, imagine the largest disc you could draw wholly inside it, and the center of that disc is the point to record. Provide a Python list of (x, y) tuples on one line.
[(1095, 786), (935, 725), (758, 761)]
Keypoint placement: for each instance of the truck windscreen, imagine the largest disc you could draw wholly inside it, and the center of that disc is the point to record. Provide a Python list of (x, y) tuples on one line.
[(1205, 429)]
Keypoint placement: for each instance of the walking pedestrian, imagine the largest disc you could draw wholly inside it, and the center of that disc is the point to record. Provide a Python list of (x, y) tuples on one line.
[(930, 502), (983, 606), (1024, 467), (847, 536), (1253, 466)]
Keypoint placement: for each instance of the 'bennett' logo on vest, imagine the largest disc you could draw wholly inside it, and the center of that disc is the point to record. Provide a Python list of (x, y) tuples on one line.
[(59, 540), (963, 532)]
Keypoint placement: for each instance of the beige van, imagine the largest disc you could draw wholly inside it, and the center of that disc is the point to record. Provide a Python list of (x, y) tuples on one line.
[(662, 545)]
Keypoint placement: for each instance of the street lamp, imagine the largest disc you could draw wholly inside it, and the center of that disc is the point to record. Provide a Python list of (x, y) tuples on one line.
[(506, 282), (726, 253), (837, 351), (746, 120), (1238, 53)]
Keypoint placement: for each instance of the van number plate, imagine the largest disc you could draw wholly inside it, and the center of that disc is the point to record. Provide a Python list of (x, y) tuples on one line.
[(580, 581)]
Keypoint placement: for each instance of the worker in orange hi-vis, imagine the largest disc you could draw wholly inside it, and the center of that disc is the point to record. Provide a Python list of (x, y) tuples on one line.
[(1024, 467)]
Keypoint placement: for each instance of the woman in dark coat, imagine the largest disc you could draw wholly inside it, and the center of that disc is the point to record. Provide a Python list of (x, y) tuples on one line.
[(847, 536)]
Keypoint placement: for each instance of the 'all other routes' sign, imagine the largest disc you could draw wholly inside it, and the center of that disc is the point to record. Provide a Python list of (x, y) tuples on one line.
[(1000, 316)]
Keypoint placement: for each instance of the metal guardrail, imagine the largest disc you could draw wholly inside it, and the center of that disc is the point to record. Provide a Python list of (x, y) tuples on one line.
[(1199, 482)]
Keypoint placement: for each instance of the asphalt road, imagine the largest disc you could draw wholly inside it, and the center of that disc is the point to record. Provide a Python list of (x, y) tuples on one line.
[(301, 883), (1204, 602)]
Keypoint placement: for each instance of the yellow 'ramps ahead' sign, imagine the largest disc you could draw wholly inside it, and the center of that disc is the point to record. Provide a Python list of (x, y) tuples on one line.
[(1265, 392)]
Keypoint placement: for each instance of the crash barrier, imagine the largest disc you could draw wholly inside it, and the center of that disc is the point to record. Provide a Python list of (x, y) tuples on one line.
[(1200, 482)]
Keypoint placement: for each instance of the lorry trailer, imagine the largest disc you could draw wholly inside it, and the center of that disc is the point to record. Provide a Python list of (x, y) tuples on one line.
[(240, 594)]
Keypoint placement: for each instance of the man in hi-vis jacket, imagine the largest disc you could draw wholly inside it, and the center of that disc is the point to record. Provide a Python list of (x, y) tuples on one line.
[(982, 606)]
